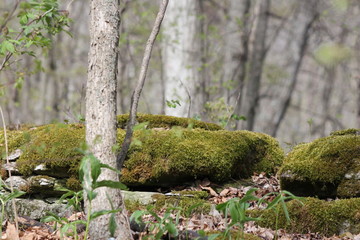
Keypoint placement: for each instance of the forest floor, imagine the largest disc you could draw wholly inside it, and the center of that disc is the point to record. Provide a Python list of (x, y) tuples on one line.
[(214, 221)]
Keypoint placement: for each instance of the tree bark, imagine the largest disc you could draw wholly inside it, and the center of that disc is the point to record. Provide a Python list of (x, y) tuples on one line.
[(257, 50), (101, 113)]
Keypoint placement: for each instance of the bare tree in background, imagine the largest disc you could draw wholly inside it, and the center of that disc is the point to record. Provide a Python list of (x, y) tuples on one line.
[(181, 57), (257, 55), (297, 64), (236, 50)]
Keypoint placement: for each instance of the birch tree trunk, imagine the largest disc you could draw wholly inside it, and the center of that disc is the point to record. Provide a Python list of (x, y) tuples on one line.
[(257, 55), (101, 112), (181, 57)]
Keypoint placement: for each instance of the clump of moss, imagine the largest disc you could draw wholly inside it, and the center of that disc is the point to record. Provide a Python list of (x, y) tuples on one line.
[(234, 235), (185, 203), (162, 121), (315, 215), (350, 131), (55, 145), (73, 184), (323, 162), (175, 156)]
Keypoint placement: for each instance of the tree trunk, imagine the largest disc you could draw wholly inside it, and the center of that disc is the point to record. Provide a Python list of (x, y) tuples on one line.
[(294, 77), (257, 50), (181, 57), (236, 50), (101, 112)]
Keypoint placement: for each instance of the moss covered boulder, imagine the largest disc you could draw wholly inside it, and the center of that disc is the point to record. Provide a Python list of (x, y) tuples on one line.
[(326, 167), (157, 157), (314, 215), (171, 157)]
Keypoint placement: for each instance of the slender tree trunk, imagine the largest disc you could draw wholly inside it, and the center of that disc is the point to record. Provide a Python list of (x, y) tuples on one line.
[(257, 50), (236, 51), (181, 56), (204, 72), (294, 78), (101, 113)]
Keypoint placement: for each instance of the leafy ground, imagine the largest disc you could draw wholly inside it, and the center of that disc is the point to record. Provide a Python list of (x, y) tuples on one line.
[(214, 221)]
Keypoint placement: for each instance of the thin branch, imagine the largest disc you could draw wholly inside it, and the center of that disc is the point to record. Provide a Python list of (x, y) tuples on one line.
[(9, 54), (10, 15), (140, 84)]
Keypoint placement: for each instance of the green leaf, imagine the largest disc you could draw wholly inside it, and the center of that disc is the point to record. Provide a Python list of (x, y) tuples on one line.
[(91, 195), (95, 168), (171, 228), (13, 195), (103, 165), (111, 184), (137, 216), (24, 19), (7, 46), (112, 225), (102, 212)]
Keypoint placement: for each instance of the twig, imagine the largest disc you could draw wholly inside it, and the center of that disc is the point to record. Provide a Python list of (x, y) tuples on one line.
[(140, 84), (9, 172)]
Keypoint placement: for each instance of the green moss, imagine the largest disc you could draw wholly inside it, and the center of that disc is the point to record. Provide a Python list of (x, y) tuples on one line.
[(325, 159), (234, 235), (155, 157), (175, 156), (315, 215), (132, 206), (183, 202), (350, 131), (162, 121), (73, 184), (53, 145)]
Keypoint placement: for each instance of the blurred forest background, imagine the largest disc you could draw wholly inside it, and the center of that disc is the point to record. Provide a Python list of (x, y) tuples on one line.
[(288, 68)]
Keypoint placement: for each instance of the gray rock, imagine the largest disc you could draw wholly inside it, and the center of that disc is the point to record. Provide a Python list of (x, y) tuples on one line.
[(15, 155), (11, 166), (36, 209), (17, 182), (142, 197), (41, 169)]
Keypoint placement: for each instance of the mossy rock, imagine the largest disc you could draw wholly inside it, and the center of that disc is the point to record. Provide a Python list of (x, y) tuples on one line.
[(326, 167), (172, 157), (314, 215), (162, 121), (156, 157)]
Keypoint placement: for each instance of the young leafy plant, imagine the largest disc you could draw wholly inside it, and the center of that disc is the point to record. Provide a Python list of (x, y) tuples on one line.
[(161, 225), (67, 228), (280, 202), (236, 208), (89, 172)]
